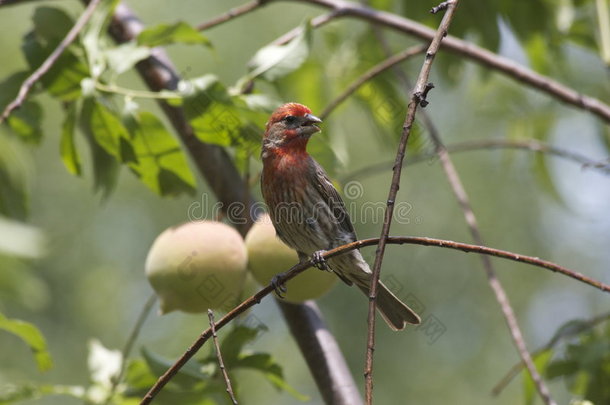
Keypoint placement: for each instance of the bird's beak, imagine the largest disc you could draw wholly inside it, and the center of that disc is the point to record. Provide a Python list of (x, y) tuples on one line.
[(312, 119), (309, 122)]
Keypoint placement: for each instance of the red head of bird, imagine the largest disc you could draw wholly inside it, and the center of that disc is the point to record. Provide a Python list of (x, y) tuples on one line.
[(289, 129)]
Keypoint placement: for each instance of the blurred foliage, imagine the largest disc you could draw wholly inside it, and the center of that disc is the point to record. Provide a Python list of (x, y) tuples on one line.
[(99, 128)]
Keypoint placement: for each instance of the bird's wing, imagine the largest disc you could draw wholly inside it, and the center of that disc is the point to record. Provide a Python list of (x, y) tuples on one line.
[(329, 194)]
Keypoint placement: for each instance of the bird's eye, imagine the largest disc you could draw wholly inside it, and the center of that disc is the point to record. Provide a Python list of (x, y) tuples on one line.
[(290, 119)]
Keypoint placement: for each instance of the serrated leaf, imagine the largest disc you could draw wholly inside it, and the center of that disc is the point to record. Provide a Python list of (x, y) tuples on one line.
[(159, 160), (275, 61), (32, 336), (165, 34), (67, 147)]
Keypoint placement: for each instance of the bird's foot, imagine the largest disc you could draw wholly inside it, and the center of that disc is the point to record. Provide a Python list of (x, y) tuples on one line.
[(279, 286), (318, 260)]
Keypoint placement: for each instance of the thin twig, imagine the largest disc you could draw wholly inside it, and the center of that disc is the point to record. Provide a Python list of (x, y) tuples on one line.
[(282, 278), (221, 363), (417, 98), (464, 201), (370, 74), (532, 145), (231, 14), (133, 336), (50, 61), (516, 369)]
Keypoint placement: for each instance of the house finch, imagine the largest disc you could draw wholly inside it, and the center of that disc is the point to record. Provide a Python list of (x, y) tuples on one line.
[(307, 211)]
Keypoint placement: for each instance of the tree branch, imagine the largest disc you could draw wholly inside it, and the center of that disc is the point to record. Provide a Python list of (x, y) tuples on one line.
[(486, 144), (221, 363), (418, 97), (370, 74), (282, 278), (50, 61), (231, 14)]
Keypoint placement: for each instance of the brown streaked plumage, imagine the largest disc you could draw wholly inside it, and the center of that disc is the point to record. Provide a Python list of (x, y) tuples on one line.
[(306, 210)]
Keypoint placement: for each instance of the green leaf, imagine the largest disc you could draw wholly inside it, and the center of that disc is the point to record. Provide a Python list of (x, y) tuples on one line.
[(32, 337), (189, 374), (275, 61), (67, 147), (15, 178), (538, 53), (106, 128), (561, 368), (92, 36), (159, 161), (138, 375), (26, 120), (272, 371), (105, 166), (210, 111), (165, 34), (64, 77), (125, 56), (51, 23), (236, 339)]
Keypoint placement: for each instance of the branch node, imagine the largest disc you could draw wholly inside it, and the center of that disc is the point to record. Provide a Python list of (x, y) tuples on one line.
[(443, 6), (421, 96)]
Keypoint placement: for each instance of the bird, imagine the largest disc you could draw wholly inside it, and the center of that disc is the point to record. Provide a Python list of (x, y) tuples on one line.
[(307, 211)]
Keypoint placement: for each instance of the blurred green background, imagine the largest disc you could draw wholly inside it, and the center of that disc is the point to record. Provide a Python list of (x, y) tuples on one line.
[(88, 281)]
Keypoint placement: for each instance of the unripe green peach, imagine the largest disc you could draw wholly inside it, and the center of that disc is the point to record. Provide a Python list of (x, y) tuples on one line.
[(268, 256), (196, 266)]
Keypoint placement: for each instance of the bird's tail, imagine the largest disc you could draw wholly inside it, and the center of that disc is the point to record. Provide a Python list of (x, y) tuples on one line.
[(395, 312)]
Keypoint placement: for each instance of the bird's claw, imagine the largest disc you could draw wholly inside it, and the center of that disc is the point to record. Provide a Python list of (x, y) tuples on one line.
[(279, 286), (318, 260)]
